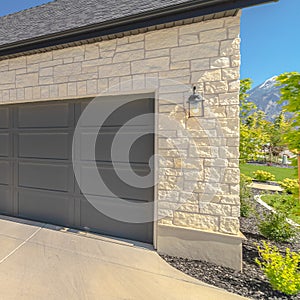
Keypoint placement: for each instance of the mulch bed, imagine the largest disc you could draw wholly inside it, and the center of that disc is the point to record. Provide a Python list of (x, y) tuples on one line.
[(251, 282)]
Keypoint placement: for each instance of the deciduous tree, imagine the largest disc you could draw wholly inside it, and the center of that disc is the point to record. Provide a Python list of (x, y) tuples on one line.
[(290, 92), (252, 125)]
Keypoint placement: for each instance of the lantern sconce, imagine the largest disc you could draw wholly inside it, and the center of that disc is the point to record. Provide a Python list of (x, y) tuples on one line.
[(195, 104)]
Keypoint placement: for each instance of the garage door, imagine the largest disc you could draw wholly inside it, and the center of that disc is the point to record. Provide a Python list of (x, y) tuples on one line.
[(36, 173)]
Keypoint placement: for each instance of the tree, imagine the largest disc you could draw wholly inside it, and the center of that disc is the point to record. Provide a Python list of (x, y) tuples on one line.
[(245, 106), (276, 132), (252, 125), (290, 92)]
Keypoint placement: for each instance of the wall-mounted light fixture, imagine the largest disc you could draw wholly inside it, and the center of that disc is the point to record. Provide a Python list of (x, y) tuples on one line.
[(195, 104)]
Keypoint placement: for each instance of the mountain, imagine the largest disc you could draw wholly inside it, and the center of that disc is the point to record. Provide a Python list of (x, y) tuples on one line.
[(265, 96)]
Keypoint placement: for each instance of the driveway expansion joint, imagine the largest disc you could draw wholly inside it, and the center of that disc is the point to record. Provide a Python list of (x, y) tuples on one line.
[(21, 245)]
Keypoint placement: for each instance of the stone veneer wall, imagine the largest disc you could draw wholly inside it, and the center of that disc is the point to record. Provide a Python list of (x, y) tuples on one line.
[(205, 53)]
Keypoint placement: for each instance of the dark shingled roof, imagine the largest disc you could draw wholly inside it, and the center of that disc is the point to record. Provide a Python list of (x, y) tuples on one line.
[(63, 15)]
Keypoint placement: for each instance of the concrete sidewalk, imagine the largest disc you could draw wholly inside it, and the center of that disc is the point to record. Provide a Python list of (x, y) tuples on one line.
[(40, 261)]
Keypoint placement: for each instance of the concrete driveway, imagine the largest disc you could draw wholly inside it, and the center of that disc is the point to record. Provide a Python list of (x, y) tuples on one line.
[(40, 261)]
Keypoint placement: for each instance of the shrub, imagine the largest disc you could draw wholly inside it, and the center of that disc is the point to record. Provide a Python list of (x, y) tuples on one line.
[(291, 186), (246, 196), (263, 175), (282, 272), (281, 202), (275, 227), (285, 203)]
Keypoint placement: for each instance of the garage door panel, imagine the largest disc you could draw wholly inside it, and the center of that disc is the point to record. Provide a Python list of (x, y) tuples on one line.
[(96, 221), (111, 183), (43, 115), (44, 145), (44, 176), (139, 152), (46, 206), (4, 118), (123, 112), (5, 171), (6, 205), (4, 144), (37, 180)]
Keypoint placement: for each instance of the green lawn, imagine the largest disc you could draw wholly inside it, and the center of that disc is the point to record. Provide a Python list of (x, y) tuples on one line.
[(285, 203), (279, 173)]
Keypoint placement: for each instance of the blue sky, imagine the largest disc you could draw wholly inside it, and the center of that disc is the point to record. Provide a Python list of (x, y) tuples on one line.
[(270, 40), (270, 37)]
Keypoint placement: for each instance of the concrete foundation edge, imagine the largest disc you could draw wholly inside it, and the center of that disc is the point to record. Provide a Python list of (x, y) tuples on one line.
[(221, 249)]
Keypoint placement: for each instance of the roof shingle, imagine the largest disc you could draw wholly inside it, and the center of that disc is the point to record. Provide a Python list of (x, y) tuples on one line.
[(62, 15)]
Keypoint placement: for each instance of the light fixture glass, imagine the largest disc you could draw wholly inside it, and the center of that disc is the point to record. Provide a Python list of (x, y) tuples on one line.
[(196, 104)]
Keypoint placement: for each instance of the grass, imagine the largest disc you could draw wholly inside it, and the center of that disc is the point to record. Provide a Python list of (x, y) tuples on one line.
[(279, 173), (284, 202)]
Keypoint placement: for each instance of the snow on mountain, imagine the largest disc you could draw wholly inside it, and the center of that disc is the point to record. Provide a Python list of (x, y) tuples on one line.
[(266, 96)]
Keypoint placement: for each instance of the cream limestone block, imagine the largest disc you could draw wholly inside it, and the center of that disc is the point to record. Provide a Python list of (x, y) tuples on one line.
[(68, 69), (40, 57), (17, 63), (27, 80), (195, 51), (230, 47), (230, 74), (46, 71), (92, 51), (219, 62), (119, 69), (229, 225), (216, 87), (194, 220), (68, 52), (8, 77), (203, 26), (129, 56), (161, 39), (213, 35), (150, 65), (215, 209)]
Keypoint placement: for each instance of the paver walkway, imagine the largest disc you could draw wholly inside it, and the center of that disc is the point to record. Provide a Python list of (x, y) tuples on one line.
[(265, 187)]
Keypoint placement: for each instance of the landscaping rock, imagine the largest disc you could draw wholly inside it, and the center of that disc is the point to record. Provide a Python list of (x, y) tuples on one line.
[(251, 282)]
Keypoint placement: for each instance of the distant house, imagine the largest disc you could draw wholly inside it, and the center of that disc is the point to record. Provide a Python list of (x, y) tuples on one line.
[(287, 153), (56, 57)]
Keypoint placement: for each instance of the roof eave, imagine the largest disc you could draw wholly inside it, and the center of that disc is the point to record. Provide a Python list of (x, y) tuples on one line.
[(171, 14)]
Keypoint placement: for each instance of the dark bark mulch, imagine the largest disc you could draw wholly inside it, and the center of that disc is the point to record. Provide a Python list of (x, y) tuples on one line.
[(251, 282)]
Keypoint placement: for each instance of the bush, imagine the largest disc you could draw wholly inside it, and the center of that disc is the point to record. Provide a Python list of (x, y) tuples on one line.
[(263, 175), (281, 202), (246, 196), (291, 186), (282, 272), (275, 227)]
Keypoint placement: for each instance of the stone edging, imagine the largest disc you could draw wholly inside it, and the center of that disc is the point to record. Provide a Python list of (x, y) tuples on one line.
[(258, 199)]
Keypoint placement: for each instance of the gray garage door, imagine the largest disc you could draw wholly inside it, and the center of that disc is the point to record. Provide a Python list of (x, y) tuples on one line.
[(36, 173)]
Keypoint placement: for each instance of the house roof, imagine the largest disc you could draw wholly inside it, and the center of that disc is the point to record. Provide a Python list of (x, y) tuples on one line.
[(63, 21)]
